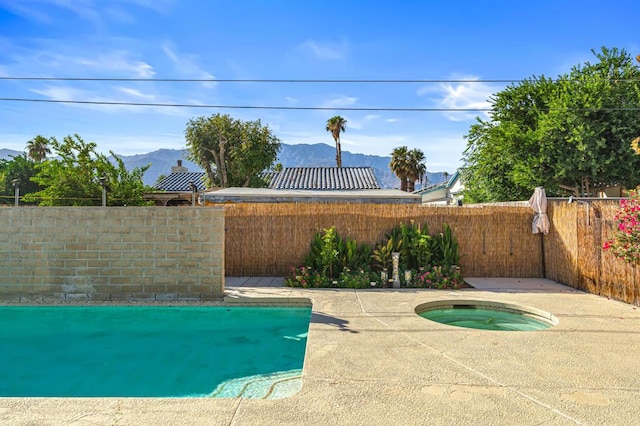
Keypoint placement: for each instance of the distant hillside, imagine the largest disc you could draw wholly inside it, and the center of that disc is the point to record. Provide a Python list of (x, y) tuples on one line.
[(323, 155), (303, 155), (8, 153), (161, 162)]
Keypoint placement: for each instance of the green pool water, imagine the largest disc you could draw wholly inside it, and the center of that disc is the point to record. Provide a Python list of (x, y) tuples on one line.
[(152, 351), (485, 318)]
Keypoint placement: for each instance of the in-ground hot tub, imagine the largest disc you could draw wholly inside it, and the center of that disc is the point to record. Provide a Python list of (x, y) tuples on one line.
[(486, 315)]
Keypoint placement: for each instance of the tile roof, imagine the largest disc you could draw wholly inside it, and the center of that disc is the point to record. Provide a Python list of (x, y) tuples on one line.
[(181, 182), (325, 178)]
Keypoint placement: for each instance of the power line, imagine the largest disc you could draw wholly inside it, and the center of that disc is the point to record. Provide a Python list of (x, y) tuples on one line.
[(290, 108), (228, 80), (301, 81), (153, 104)]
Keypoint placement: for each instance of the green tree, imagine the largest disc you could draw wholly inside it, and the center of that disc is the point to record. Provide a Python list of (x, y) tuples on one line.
[(572, 133), (21, 168), (591, 123), (416, 168), (399, 165), (409, 166), (126, 188), (38, 148), (72, 177), (337, 125), (503, 159), (231, 151)]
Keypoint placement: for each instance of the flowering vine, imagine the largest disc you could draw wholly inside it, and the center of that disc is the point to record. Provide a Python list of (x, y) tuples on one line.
[(625, 242)]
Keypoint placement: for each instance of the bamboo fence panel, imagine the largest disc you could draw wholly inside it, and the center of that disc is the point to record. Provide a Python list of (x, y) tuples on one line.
[(561, 245), (494, 241), (574, 254), (617, 279), (266, 239)]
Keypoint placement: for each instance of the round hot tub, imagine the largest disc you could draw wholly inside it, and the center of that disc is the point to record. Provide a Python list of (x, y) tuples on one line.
[(486, 315)]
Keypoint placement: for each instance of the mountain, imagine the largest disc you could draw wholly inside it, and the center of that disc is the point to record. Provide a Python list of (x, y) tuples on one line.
[(302, 155), (8, 153), (323, 155)]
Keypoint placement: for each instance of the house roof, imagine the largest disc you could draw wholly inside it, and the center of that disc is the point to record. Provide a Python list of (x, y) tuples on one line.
[(325, 178), (267, 195), (181, 182), (446, 184)]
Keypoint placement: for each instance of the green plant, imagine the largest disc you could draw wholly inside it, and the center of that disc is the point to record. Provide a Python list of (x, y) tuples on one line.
[(430, 259), (382, 255), (420, 250), (625, 242), (350, 254), (304, 276), (440, 277), (323, 252), (359, 278), (447, 247), (312, 259), (329, 252)]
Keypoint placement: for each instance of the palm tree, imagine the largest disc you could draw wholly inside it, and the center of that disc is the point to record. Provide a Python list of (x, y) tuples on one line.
[(399, 164), (416, 168), (336, 125), (38, 148)]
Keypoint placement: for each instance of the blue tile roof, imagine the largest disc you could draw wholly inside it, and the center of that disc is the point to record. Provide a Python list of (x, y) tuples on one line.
[(181, 182), (327, 178)]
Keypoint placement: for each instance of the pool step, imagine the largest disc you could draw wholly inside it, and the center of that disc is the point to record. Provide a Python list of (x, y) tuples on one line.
[(261, 386)]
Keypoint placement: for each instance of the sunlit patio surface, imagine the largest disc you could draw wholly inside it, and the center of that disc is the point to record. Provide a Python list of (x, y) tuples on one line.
[(372, 360)]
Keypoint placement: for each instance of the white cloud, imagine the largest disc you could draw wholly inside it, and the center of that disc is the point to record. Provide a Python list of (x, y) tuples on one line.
[(88, 10), (325, 51), (187, 65), (470, 94), (101, 102), (136, 93), (52, 58), (339, 102), (115, 62)]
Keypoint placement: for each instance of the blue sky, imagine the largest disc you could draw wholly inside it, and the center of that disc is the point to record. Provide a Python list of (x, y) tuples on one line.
[(287, 39)]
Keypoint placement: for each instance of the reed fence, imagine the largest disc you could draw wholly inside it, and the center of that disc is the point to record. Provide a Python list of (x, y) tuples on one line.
[(266, 239), (574, 254), (494, 241)]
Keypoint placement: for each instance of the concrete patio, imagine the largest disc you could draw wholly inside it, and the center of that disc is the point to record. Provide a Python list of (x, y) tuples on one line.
[(371, 360)]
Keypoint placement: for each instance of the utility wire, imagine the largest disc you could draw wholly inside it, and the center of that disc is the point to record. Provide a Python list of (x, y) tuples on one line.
[(291, 108), (153, 104), (217, 80), (303, 81)]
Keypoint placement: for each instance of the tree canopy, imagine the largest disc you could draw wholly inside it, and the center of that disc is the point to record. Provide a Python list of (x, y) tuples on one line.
[(231, 151), (38, 148), (569, 134), (409, 166), (21, 169), (71, 177)]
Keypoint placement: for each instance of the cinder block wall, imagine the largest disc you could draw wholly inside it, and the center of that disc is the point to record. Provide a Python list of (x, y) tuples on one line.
[(112, 253)]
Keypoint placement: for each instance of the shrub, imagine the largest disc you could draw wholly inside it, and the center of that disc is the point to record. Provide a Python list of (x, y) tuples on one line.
[(305, 277), (625, 242), (334, 261), (440, 277)]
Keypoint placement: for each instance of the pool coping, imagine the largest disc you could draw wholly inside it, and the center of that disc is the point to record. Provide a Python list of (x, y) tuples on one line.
[(372, 360)]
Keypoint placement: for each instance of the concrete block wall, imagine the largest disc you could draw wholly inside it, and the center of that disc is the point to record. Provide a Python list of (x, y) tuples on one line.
[(111, 253)]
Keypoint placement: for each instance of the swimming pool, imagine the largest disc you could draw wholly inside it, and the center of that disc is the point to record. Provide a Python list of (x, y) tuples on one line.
[(152, 351)]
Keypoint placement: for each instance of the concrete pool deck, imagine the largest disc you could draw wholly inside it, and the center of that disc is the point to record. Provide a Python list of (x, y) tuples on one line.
[(371, 360)]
